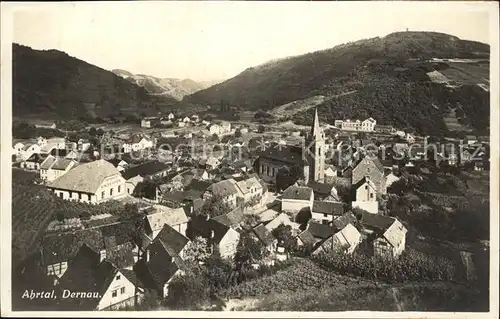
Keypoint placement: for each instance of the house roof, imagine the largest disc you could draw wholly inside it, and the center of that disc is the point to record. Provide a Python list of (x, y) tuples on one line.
[(172, 239), (307, 238), (86, 273), (297, 192), (362, 181), (264, 235), (282, 218), (37, 158), (62, 163), (223, 188), (47, 163), (247, 184), (393, 234), (85, 177), (319, 230), (326, 207), (115, 161), (145, 169), (232, 219), (342, 221), (321, 188), (161, 215), (375, 221), (284, 154), (348, 236), (268, 215)]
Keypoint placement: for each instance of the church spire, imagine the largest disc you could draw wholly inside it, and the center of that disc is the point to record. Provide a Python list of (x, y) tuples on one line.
[(315, 129)]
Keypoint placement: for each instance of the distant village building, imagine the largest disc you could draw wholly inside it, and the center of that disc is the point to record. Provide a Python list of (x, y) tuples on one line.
[(93, 182), (366, 195), (310, 159), (138, 143), (297, 198), (171, 116), (149, 122), (387, 234), (367, 125)]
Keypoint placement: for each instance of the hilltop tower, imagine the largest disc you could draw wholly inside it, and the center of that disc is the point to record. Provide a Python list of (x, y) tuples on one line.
[(316, 144)]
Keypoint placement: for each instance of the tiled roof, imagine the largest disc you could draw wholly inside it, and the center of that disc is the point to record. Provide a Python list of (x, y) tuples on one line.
[(37, 158), (232, 219), (85, 177), (320, 230), (268, 215), (326, 207), (172, 239), (145, 169), (280, 219), (161, 215), (47, 164), (307, 238), (297, 192), (223, 188), (62, 164), (375, 221), (284, 154), (342, 221)]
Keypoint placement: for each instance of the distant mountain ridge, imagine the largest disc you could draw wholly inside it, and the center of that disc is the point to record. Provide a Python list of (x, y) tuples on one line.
[(389, 75), (50, 84), (176, 88)]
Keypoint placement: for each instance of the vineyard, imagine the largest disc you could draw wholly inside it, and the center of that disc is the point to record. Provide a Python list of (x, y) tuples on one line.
[(303, 275)]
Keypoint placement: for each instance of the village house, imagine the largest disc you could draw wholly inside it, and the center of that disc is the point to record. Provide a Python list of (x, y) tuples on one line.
[(92, 182), (314, 234), (225, 238), (366, 195), (34, 162), (137, 143), (410, 138), (171, 116), (163, 261), (390, 179), (147, 170), (181, 123), (296, 198), (42, 141), (324, 191), (389, 129), (17, 148), (28, 150), (250, 190), (330, 173), (83, 144), (212, 162), (279, 219), (324, 212), (186, 120), (345, 240), (368, 125), (387, 234), (159, 215), (371, 167), (64, 153), (119, 163), (149, 122), (109, 286), (225, 190)]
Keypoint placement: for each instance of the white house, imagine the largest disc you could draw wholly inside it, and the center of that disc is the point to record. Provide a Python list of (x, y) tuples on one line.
[(324, 212), (249, 190), (59, 168), (186, 119), (410, 138), (215, 129), (42, 141), (83, 144), (58, 142), (137, 143), (225, 190), (225, 238), (296, 198), (368, 125), (212, 162), (93, 182), (171, 116), (131, 183), (17, 148), (182, 124), (366, 195), (28, 150)]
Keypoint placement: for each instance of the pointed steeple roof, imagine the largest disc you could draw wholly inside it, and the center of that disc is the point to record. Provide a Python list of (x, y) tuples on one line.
[(315, 129)]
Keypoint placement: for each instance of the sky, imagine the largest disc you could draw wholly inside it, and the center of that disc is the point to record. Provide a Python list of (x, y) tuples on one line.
[(207, 41)]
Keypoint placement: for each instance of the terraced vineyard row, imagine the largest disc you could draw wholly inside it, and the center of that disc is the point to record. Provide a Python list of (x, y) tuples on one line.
[(304, 275)]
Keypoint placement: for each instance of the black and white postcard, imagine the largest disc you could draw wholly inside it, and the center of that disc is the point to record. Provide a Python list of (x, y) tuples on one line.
[(298, 159)]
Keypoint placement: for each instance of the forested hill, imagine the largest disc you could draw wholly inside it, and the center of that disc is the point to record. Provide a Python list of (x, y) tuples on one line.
[(50, 84), (390, 76)]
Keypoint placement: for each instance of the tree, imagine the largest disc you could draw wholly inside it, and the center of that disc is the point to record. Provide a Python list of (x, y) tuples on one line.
[(261, 129), (190, 291), (283, 233), (237, 133), (248, 251), (215, 206), (93, 131), (197, 250)]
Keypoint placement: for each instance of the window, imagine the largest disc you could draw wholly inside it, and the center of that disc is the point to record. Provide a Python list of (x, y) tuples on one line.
[(102, 194), (325, 215), (122, 290), (79, 196), (366, 186), (110, 192), (118, 277), (267, 170), (371, 195), (61, 195), (128, 190), (114, 293), (119, 188)]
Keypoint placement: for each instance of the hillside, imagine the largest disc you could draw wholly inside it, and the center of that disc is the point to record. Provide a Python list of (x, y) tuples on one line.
[(50, 84), (389, 75), (175, 88)]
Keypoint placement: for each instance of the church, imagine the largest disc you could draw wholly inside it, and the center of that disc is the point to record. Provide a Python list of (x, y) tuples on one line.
[(310, 158)]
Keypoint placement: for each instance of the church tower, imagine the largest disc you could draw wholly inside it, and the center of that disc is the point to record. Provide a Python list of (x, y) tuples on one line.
[(315, 142)]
